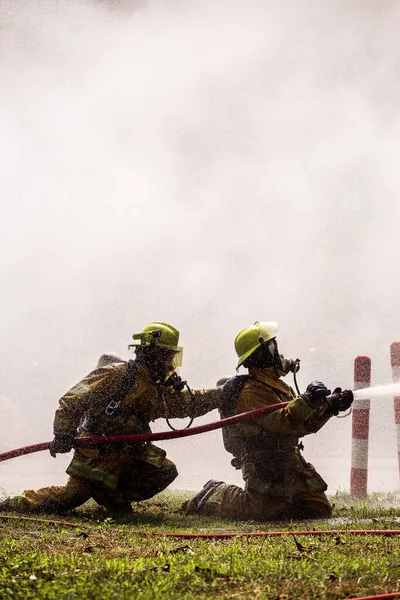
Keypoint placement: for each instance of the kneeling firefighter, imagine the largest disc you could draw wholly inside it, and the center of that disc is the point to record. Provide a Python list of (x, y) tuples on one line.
[(279, 483), (120, 398)]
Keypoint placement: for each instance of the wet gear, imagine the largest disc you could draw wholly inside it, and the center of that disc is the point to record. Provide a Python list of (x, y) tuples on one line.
[(279, 483), (138, 482), (115, 474)]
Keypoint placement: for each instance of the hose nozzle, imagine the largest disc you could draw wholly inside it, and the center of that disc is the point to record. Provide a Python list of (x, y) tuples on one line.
[(337, 402)]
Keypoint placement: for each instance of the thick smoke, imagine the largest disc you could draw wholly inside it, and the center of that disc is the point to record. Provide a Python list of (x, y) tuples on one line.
[(206, 163)]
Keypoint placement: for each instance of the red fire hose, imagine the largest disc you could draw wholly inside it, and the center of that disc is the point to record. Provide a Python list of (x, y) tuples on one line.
[(222, 536), (147, 437)]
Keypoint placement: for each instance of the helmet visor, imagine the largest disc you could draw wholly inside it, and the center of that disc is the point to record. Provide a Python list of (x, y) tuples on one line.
[(169, 357), (177, 358)]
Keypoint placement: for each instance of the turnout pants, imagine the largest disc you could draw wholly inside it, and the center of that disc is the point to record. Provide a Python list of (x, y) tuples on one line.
[(288, 488), (138, 481), (233, 502)]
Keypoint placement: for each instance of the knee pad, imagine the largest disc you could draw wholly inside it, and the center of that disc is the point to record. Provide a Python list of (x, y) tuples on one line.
[(169, 473)]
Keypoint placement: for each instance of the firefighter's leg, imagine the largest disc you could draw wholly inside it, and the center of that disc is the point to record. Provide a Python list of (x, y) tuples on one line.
[(231, 501), (308, 499), (309, 506), (113, 500), (55, 498), (141, 480)]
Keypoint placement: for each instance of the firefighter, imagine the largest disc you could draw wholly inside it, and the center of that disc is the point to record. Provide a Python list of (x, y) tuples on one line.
[(279, 483), (119, 398)]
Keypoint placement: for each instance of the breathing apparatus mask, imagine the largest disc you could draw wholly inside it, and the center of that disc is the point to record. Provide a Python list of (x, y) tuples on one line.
[(267, 356), (157, 348), (159, 360), (281, 365)]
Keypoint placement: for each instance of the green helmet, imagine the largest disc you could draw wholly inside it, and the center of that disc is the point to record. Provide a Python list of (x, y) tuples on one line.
[(250, 338), (160, 335)]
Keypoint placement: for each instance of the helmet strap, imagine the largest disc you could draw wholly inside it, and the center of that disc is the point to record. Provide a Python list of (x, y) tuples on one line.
[(276, 359)]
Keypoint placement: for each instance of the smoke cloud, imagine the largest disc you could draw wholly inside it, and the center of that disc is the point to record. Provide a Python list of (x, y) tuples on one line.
[(205, 163)]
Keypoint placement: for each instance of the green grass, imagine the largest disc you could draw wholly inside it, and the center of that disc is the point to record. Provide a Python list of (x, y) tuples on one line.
[(103, 558)]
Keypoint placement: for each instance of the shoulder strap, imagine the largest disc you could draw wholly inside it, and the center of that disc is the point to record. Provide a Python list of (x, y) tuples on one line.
[(232, 389), (120, 394)]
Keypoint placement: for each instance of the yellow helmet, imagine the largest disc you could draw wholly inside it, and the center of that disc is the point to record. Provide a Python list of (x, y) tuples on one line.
[(250, 338), (160, 335)]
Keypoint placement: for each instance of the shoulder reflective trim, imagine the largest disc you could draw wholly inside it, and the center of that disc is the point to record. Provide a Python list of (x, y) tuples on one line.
[(80, 389), (153, 455), (16, 500)]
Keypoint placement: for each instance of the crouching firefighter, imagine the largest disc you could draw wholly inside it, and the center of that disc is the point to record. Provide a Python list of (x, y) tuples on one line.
[(279, 483), (120, 398)]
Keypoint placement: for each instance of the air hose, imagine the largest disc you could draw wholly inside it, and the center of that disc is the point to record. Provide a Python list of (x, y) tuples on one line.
[(149, 437)]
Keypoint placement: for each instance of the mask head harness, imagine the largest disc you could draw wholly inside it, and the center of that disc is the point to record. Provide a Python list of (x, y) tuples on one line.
[(266, 356)]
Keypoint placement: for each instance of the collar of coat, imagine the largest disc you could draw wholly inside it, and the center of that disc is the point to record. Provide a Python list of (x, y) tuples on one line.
[(269, 377)]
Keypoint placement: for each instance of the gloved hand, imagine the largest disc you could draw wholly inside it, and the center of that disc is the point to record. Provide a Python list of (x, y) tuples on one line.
[(315, 391), (61, 444), (341, 400)]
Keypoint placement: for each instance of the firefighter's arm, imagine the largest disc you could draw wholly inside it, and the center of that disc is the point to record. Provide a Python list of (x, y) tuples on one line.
[(285, 421), (315, 422), (288, 420), (192, 403)]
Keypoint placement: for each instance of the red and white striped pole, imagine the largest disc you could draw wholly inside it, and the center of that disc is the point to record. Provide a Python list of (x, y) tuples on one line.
[(360, 429), (395, 362)]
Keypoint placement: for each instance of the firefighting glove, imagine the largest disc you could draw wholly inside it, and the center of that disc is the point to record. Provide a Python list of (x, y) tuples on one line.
[(340, 400), (315, 392), (61, 444)]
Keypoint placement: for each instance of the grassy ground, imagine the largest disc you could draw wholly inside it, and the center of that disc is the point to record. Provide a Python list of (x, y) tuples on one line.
[(103, 559)]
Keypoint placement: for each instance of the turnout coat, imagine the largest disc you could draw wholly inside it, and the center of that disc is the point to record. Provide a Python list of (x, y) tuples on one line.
[(86, 409), (267, 448)]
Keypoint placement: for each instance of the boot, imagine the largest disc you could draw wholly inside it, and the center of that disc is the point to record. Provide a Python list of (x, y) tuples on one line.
[(5, 505), (194, 506), (120, 510)]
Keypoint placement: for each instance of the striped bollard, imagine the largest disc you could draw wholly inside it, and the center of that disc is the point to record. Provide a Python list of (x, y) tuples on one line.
[(360, 429), (395, 362)]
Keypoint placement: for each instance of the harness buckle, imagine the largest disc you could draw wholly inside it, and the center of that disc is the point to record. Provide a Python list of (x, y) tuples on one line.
[(111, 407)]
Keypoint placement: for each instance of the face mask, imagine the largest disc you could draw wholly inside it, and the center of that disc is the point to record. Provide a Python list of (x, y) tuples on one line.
[(288, 366), (282, 365)]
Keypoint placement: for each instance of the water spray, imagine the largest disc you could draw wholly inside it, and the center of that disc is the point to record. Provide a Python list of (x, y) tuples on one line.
[(378, 391)]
